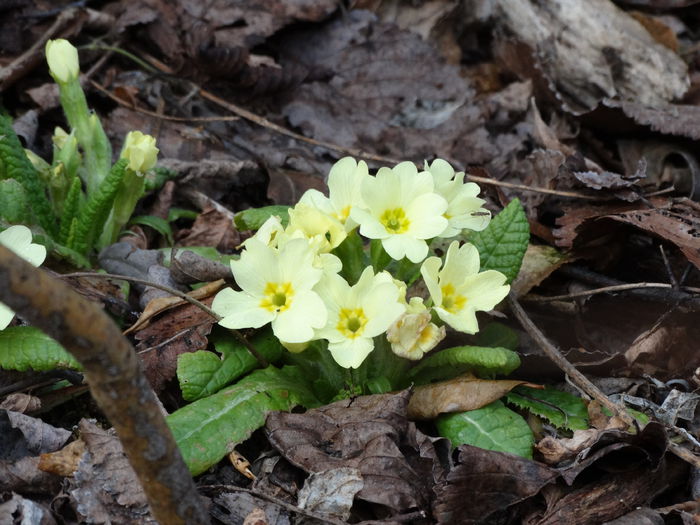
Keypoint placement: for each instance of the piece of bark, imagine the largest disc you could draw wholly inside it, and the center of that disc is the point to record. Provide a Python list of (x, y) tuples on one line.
[(116, 382)]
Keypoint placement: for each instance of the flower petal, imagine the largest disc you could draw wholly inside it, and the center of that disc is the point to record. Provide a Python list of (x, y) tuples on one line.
[(350, 353), (465, 321), (485, 290), (429, 270), (6, 316), (240, 310), (297, 324)]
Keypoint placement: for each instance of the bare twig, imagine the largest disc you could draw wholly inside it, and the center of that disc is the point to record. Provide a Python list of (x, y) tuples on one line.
[(604, 289), (576, 377), (182, 295), (117, 384), (277, 501)]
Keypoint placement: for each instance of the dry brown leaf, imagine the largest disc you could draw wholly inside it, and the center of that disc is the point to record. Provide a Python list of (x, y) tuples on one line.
[(162, 304), (21, 403), (182, 329), (105, 488), (398, 464), (63, 462), (538, 264), (459, 395)]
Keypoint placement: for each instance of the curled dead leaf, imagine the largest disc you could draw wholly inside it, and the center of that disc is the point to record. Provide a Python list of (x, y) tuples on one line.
[(459, 395)]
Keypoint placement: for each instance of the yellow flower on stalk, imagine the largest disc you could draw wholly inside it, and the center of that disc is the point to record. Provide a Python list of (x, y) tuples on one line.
[(357, 313), (344, 184), (402, 210), (19, 239), (413, 334), (62, 57), (276, 287), (140, 150), (464, 209), (459, 290)]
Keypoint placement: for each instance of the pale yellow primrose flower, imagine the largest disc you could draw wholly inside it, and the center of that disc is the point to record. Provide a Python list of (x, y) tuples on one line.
[(140, 150), (413, 334), (357, 313), (344, 191), (276, 287), (19, 239), (62, 58), (402, 211), (323, 231), (458, 289), (464, 209)]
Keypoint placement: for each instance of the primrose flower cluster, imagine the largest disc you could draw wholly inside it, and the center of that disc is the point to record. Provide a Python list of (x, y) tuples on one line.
[(290, 275)]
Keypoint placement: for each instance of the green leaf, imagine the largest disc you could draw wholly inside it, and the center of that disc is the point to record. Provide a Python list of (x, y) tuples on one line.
[(211, 427), (14, 164), (493, 427), (14, 206), (253, 218), (455, 361), (562, 409), (93, 215), (71, 206), (503, 243), (175, 214), (203, 373), (157, 223), (497, 334), (25, 347)]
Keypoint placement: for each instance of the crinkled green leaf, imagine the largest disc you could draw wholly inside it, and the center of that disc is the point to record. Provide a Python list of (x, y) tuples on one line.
[(93, 214), (562, 409), (25, 347), (253, 218), (14, 206), (157, 223), (503, 243), (493, 427), (497, 334), (175, 214), (455, 361), (14, 164), (203, 373), (211, 427)]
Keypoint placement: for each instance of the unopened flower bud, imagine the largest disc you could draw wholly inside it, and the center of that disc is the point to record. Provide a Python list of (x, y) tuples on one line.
[(140, 150), (62, 57)]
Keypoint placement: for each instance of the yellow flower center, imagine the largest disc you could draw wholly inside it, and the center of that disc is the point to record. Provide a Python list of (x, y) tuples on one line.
[(395, 220), (277, 297), (351, 322), (451, 300), (343, 215)]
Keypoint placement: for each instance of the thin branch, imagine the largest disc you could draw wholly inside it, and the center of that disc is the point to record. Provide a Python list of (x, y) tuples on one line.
[(182, 295), (576, 377), (604, 289), (277, 501), (113, 372)]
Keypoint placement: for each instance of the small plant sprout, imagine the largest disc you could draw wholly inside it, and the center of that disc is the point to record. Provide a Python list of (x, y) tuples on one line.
[(402, 211), (18, 238), (458, 290)]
